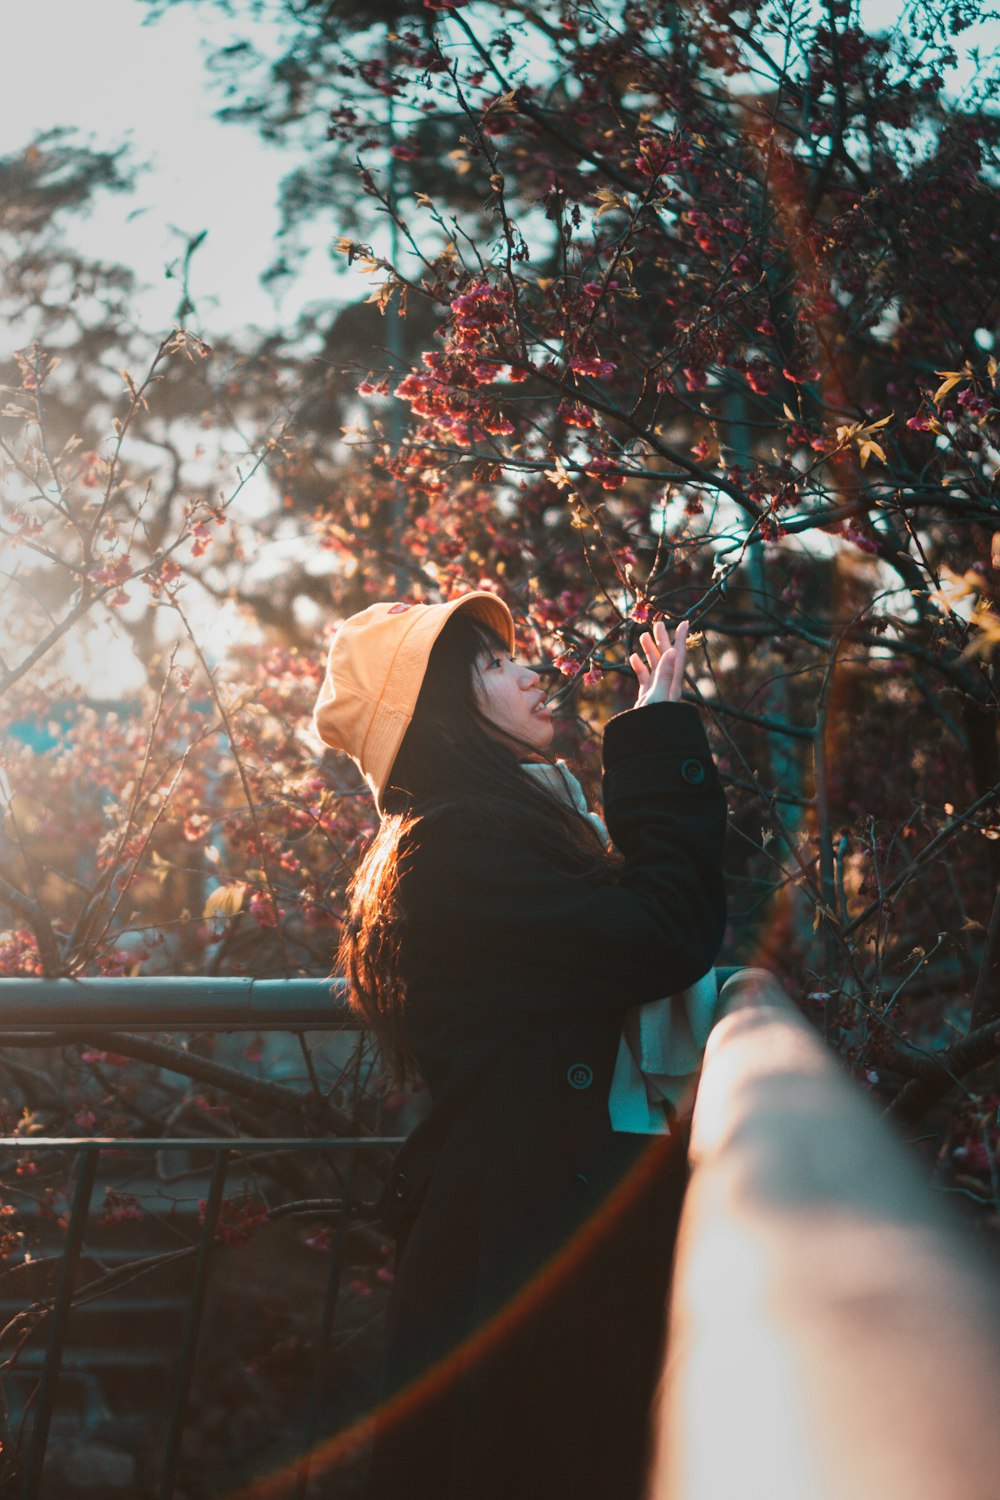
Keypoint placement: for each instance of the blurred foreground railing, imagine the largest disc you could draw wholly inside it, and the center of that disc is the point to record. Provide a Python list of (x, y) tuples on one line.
[(833, 1335), (43, 1013)]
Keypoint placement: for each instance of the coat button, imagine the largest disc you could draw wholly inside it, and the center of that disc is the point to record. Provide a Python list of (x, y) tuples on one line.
[(580, 1076), (693, 772), (399, 1186)]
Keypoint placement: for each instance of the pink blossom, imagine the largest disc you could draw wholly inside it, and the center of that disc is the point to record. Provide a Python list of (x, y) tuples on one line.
[(575, 414), (261, 906), (592, 365)]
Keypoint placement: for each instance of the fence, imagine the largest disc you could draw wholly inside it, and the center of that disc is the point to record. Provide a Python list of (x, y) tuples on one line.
[(833, 1336), (39, 1013)]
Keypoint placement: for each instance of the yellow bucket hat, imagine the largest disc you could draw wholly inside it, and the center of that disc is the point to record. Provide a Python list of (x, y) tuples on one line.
[(374, 674)]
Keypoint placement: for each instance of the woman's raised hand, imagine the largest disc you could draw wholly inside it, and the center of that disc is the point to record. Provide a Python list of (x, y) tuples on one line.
[(661, 673)]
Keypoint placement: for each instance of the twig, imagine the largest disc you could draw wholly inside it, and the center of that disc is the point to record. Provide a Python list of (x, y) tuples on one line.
[(940, 840)]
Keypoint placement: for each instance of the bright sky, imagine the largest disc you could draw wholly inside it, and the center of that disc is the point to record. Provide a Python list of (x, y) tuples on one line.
[(98, 68)]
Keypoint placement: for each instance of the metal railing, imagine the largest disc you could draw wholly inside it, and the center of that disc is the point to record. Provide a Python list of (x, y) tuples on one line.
[(834, 1334), (40, 1013), (185, 1003)]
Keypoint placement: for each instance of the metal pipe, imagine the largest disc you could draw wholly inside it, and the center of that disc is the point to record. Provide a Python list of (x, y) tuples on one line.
[(330, 1300), (87, 1163), (232, 1144), (833, 1334), (196, 1308), (182, 1002)]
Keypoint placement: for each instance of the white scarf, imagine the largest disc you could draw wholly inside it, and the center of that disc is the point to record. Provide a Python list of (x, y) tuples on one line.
[(661, 1044)]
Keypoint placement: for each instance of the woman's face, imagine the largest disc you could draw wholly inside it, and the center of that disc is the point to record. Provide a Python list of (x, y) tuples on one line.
[(509, 695)]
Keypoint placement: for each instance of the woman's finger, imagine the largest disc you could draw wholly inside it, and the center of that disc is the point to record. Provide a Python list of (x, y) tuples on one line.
[(654, 642), (664, 674), (639, 667), (680, 659)]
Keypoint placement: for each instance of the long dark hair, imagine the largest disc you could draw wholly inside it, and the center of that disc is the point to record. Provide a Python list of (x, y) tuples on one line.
[(450, 757)]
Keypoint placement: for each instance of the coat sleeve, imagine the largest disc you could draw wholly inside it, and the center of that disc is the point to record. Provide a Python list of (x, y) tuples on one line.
[(490, 906)]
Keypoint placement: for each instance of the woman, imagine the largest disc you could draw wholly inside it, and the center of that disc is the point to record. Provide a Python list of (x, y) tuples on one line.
[(495, 945)]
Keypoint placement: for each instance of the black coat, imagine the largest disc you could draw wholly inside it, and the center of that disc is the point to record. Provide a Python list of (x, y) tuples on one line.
[(535, 1243)]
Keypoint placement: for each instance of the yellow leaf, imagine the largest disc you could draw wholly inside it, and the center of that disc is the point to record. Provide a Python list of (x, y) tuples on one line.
[(226, 901), (945, 387), (382, 295), (609, 200), (559, 476), (868, 448), (954, 586), (882, 422), (987, 624)]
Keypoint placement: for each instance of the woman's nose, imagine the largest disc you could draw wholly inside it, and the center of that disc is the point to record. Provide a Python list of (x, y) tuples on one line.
[(530, 678)]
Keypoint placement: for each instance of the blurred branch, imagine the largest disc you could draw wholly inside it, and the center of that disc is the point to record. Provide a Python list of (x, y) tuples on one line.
[(217, 1075), (960, 823), (986, 996), (38, 921)]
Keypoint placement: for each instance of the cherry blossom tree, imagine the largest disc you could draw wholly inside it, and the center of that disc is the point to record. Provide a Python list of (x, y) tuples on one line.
[(690, 310), (663, 310)]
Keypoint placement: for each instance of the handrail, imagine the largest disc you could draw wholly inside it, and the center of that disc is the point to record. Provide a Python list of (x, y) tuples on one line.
[(833, 1336), (54, 1011), (164, 1003)]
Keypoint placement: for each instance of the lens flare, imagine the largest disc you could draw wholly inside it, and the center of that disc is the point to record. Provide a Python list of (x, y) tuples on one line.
[(659, 1154)]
